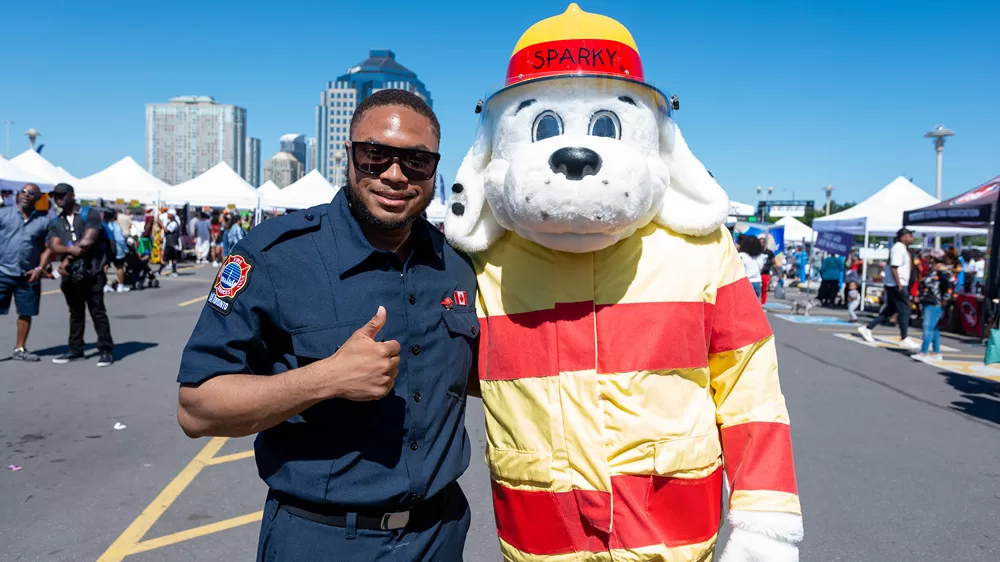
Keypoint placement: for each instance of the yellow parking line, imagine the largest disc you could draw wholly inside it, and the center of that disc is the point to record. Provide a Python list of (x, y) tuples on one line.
[(52, 292), (230, 458), (192, 301), (189, 534), (125, 544)]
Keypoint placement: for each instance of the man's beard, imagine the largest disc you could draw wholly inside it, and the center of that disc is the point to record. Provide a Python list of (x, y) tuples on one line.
[(364, 216)]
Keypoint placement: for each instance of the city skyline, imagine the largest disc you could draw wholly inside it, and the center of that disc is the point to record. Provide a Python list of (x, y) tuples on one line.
[(792, 95)]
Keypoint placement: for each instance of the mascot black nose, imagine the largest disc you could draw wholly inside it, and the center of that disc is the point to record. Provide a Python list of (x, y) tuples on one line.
[(575, 162)]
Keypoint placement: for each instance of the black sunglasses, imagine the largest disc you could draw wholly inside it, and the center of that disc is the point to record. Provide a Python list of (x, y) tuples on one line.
[(29, 193), (375, 159)]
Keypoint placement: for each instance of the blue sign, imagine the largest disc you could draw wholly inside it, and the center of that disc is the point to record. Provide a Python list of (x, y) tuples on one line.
[(778, 234), (838, 243)]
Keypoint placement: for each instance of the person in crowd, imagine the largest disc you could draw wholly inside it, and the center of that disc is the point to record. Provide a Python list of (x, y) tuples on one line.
[(80, 241), (853, 294), (935, 290), (192, 224), (802, 261), (766, 270), (750, 253), (171, 243), (216, 231), (235, 232), (386, 490), (203, 238), (956, 262), (896, 297), (125, 222), (830, 272), (978, 270), (22, 256), (120, 250)]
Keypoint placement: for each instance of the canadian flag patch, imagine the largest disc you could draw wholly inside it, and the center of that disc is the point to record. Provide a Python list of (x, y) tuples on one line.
[(461, 299)]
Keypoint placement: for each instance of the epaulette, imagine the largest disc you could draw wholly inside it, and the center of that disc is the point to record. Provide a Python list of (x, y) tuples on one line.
[(273, 231)]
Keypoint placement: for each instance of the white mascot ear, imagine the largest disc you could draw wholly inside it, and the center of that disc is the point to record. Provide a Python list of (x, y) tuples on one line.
[(694, 202), (469, 224)]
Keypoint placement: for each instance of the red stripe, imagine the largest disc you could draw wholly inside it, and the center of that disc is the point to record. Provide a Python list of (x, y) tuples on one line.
[(758, 456), (738, 320), (630, 337), (571, 57), (647, 510), (651, 336)]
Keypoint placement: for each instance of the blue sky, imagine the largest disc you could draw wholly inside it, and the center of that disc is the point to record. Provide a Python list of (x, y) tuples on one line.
[(791, 94)]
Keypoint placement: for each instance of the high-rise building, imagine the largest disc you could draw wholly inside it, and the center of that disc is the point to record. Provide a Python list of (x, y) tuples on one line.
[(310, 154), (189, 134), (252, 170), (294, 144), (283, 169), (379, 71)]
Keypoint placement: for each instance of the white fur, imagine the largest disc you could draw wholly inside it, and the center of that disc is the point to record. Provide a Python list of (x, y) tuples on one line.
[(763, 536), (648, 174)]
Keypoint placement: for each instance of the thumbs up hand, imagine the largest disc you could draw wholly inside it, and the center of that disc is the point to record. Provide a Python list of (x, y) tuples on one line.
[(363, 369)]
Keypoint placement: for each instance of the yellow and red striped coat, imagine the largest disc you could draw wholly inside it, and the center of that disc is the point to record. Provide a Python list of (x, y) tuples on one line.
[(613, 383)]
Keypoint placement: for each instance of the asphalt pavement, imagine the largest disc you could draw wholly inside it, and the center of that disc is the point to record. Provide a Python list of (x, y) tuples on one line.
[(896, 460)]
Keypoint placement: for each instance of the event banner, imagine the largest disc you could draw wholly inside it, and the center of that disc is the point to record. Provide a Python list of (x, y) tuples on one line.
[(838, 243)]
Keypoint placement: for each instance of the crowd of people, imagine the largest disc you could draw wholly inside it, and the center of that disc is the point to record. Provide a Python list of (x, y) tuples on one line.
[(79, 244)]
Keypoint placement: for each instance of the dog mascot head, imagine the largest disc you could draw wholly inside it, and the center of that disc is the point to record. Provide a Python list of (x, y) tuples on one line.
[(577, 152)]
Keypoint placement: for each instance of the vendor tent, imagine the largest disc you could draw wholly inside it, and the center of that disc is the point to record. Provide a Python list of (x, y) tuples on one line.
[(268, 189), (125, 179), (436, 212), (219, 186), (34, 162), (14, 177), (974, 208), (311, 190), (795, 231), (882, 213)]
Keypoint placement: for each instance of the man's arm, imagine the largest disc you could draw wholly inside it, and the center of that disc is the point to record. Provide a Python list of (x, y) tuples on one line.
[(895, 276), (239, 405)]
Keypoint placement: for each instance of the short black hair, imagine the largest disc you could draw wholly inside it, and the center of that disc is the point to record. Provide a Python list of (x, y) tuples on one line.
[(400, 98)]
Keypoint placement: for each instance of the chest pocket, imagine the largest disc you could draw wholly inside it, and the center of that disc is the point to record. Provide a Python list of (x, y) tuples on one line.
[(319, 342), (463, 329)]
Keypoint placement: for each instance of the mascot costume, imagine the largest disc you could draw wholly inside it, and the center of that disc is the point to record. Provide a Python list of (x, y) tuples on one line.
[(625, 363)]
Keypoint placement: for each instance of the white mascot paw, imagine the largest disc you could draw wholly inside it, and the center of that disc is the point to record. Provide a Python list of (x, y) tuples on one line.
[(763, 536)]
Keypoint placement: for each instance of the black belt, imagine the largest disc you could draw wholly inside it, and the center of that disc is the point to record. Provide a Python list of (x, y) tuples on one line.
[(337, 516)]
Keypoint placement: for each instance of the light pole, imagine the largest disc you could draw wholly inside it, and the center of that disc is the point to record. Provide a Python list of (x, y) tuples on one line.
[(763, 211), (7, 148), (32, 135), (939, 134), (829, 191)]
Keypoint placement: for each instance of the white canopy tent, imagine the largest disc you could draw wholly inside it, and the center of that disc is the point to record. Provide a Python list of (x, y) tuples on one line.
[(219, 186), (268, 189), (795, 230), (309, 191), (13, 177), (33, 162), (125, 179), (436, 212)]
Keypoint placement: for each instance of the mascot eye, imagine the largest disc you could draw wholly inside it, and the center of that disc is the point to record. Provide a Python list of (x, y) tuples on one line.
[(547, 125), (605, 124)]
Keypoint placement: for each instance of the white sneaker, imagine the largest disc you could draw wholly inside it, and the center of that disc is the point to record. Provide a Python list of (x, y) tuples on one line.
[(866, 333), (919, 357), (935, 357), (123, 289), (109, 289), (215, 264), (909, 343)]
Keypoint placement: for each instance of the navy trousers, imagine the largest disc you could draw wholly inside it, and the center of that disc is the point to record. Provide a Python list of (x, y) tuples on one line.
[(287, 538)]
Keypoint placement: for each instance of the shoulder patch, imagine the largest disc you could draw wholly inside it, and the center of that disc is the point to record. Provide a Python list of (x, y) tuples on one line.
[(233, 277)]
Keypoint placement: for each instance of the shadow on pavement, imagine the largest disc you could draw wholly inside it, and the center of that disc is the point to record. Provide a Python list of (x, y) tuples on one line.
[(982, 396), (122, 350)]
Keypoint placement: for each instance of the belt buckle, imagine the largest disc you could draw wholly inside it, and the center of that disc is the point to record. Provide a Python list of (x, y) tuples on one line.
[(393, 521)]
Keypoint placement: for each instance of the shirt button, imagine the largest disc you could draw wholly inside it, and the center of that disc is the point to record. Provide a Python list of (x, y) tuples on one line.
[(416, 397), (415, 497), (414, 446), (413, 299), (415, 350)]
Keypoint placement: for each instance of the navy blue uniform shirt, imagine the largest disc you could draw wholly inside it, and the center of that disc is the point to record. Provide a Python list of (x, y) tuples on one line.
[(293, 291)]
